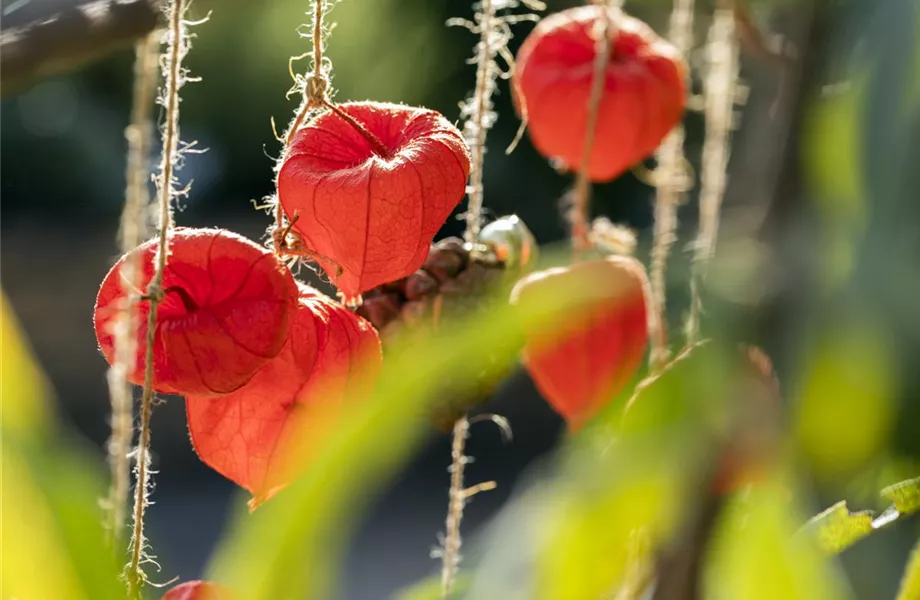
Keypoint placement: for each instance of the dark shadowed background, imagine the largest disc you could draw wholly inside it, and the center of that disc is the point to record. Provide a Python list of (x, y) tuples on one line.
[(858, 231)]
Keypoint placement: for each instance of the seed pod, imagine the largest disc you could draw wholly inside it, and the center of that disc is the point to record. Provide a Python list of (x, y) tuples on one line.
[(446, 259), (226, 311), (381, 309), (420, 285), (464, 280), (643, 98), (375, 191), (582, 365)]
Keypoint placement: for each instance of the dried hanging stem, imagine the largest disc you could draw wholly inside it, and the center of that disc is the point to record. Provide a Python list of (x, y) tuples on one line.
[(477, 126), (720, 90), (314, 89), (458, 495), (672, 186), (133, 231), (477, 112), (450, 553), (579, 215), (479, 116), (174, 75)]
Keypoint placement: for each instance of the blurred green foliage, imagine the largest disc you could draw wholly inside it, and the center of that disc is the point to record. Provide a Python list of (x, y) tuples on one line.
[(569, 531)]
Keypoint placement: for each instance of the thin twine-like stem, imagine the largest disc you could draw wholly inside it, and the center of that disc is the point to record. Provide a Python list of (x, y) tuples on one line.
[(669, 194), (719, 89), (450, 554), (132, 232), (481, 103), (581, 196), (315, 89), (173, 80)]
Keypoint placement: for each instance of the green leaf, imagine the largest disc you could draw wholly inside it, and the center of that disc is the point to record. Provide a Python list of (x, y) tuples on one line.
[(611, 493), (836, 529), (757, 556), (910, 581), (289, 547), (430, 588), (905, 496), (52, 538)]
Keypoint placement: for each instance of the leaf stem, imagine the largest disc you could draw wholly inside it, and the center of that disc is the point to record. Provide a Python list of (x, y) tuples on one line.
[(133, 230), (173, 75)]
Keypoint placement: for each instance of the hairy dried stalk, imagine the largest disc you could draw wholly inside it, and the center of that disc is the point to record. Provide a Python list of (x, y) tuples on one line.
[(478, 112), (314, 90), (671, 187), (174, 76), (132, 232), (579, 215), (720, 91), (479, 116), (458, 495), (450, 554), (477, 127)]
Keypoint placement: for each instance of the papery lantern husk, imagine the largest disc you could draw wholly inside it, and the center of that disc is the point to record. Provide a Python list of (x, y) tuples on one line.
[(582, 363), (644, 89)]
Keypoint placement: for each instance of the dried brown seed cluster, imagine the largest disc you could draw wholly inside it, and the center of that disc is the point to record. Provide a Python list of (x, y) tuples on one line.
[(452, 282)]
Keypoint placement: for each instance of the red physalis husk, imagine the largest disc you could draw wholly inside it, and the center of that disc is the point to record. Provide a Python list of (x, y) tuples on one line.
[(198, 590), (643, 96), (373, 210), (585, 362), (262, 435), (226, 311)]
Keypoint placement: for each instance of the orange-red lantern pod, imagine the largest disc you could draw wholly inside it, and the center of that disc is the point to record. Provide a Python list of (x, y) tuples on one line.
[(643, 96), (226, 311), (582, 364), (372, 188), (261, 435)]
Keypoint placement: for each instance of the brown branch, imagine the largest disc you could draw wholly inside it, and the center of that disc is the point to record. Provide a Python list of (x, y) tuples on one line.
[(57, 43)]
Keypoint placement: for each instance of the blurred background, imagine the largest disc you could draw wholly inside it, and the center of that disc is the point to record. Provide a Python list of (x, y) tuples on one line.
[(821, 267)]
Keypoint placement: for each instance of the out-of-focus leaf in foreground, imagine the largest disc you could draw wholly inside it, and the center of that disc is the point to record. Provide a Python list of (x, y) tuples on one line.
[(52, 540), (910, 581), (904, 495), (845, 407), (289, 547), (23, 387), (837, 528), (756, 555), (572, 532), (431, 589)]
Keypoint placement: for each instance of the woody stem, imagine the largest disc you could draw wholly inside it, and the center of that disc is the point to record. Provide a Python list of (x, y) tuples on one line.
[(372, 139)]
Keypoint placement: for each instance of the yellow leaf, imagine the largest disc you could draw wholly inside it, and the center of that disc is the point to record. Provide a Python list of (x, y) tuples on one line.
[(23, 388)]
